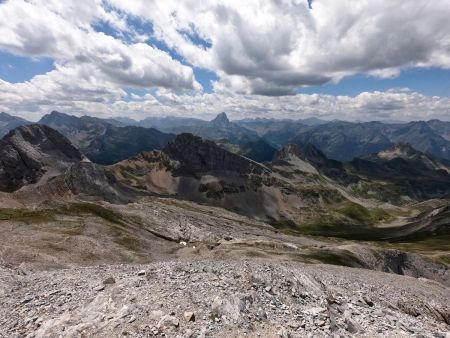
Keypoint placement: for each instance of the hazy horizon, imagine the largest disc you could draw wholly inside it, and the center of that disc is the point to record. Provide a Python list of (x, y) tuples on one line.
[(212, 116)]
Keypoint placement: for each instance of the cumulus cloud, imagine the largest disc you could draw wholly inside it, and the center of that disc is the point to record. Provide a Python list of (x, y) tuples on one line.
[(261, 51), (273, 47), (62, 30), (35, 98)]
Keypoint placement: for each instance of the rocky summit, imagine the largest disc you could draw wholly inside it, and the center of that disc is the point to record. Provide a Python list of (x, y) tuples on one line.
[(196, 155), (30, 152)]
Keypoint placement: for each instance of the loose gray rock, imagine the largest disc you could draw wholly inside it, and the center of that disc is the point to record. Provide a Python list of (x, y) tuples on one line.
[(189, 316)]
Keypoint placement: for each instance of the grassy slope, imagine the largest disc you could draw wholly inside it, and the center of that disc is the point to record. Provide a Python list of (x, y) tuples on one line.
[(359, 223)]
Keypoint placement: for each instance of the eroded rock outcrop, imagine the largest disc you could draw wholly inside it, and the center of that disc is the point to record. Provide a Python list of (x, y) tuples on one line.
[(29, 152)]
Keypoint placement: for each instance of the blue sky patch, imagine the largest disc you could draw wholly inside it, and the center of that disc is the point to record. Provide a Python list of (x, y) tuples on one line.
[(205, 78), (196, 39), (14, 68), (428, 81)]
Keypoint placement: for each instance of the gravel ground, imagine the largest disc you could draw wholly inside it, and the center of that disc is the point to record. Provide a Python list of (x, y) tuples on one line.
[(220, 299)]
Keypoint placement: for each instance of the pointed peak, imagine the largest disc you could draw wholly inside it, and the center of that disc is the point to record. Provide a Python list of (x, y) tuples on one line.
[(221, 119)]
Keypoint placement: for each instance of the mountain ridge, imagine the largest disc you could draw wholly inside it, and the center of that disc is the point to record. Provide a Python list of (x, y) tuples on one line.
[(29, 152), (9, 122), (103, 142), (257, 138)]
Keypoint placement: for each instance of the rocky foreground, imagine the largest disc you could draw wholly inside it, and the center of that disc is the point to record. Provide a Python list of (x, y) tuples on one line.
[(220, 299)]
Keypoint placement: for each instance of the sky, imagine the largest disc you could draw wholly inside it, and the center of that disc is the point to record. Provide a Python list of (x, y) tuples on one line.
[(356, 60)]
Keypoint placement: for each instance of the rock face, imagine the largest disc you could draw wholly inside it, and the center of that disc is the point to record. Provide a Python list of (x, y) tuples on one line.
[(43, 160), (29, 152), (91, 182), (400, 150), (310, 154), (404, 151), (286, 153), (196, 155), (199, 170)]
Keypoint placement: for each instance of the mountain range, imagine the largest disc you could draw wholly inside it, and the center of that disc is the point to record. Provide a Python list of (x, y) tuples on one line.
[(38, 163), (300, 191), (108, 141), (194, 201), (199, 169), (300, 185)]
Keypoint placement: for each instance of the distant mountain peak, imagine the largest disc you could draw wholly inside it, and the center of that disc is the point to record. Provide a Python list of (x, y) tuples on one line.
[(9, 122), (57, 113), (221, 120), (56, 116), (8, 117)]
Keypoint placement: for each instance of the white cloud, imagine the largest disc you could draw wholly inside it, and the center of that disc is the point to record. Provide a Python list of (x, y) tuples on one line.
[(259, 50), (273, 47), (62, 30), (91, 97)]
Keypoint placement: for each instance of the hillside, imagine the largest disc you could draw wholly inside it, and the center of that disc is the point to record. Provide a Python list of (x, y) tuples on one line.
[(414, 173)]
